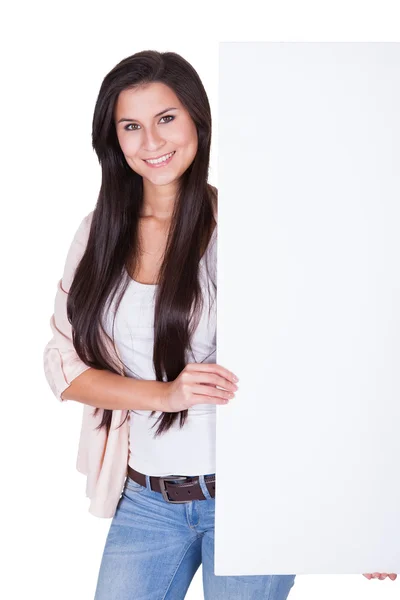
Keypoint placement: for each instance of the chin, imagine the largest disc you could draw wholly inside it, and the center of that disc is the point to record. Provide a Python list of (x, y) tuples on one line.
[(162, 180)]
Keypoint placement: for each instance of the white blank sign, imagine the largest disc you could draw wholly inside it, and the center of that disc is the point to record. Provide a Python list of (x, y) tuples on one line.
[(308, 452)]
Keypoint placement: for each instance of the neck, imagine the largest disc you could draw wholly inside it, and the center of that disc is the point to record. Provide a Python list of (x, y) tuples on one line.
[(158, 200)]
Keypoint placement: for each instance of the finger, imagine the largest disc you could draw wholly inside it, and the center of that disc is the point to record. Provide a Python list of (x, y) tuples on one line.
[(200, 399), (215, 380), (212, 392), (392, 576), (367, 575), (214, 368)]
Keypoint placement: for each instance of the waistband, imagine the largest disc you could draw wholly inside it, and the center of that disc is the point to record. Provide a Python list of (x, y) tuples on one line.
[(176, 489)]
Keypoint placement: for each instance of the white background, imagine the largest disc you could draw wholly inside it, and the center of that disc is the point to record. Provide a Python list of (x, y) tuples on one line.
[(54, 58), (309, 308)]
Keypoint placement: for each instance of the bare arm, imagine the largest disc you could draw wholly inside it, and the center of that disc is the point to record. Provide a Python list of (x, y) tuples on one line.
[(197, 384), (104, 389)]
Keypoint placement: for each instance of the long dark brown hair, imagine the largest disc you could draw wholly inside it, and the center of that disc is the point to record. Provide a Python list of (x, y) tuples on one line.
[(113, 238)]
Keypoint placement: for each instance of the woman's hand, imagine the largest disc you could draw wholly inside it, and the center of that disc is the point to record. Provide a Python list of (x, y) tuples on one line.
[(380, 575), (196, 384)]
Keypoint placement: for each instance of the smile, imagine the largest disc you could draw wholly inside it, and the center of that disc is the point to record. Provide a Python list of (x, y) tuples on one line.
[(161, 161)]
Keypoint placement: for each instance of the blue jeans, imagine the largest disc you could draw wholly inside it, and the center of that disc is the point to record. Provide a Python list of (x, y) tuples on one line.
[(154, 548)]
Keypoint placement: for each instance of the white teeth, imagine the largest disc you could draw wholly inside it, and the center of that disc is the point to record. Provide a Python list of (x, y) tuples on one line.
[(159, 160)]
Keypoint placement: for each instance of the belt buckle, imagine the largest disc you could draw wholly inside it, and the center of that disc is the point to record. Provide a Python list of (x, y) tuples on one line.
[(164, 491)]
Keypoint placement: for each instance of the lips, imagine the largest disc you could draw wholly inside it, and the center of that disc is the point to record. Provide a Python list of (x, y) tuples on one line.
[(161, 156), (161, 163)]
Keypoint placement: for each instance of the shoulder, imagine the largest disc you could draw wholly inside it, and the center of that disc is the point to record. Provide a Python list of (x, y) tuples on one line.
[(87, 221), (76, 250), (214, 200), (82, 233)]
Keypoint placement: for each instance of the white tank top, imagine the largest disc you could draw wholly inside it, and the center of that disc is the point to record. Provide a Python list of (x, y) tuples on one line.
[(189, 450)]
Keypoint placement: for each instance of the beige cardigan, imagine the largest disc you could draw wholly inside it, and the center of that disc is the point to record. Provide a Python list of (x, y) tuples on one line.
[(102, 458)]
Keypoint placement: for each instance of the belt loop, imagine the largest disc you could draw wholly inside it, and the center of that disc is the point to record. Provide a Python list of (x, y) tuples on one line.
[(148, 482), (204, 488)]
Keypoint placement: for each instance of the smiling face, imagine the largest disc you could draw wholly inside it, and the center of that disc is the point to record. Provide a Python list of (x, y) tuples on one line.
[(151, 122)]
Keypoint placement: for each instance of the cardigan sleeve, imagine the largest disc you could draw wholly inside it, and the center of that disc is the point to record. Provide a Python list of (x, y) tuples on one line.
[(60, 360)]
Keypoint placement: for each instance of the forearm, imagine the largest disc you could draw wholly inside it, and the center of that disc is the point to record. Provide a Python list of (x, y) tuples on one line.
[(104, 389)]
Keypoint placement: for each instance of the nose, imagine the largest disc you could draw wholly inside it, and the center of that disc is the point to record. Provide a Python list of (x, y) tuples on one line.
[(152, 140)]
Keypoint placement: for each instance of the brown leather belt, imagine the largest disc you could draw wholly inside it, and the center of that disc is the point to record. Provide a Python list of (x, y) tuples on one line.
[(176, 489)]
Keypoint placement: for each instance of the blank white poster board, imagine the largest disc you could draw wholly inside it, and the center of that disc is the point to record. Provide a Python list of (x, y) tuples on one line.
[(308, 452)]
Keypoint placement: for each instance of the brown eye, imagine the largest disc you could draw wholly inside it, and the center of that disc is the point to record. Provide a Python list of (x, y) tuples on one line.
[(171, 117), (168, 117), (126, 127)]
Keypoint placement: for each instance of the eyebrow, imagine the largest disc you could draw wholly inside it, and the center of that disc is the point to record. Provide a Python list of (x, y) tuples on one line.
[(157, 115)]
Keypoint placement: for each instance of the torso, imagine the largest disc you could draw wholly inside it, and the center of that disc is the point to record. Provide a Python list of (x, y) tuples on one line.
[(153, 239)]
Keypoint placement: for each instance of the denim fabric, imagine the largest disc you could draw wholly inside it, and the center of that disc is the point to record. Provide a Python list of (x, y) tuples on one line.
[(154, 548)]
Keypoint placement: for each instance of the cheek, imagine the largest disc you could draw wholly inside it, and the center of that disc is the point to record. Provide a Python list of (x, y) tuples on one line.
[(187, 138), (129, 145)]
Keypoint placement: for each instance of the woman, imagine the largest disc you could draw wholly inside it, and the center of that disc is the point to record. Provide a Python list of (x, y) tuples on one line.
[(134, 337)]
